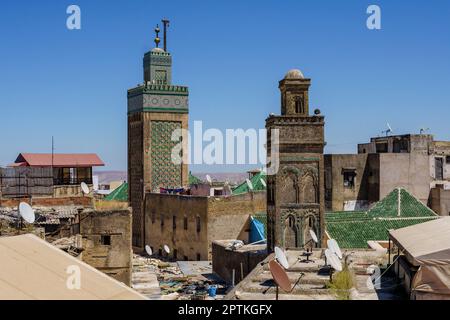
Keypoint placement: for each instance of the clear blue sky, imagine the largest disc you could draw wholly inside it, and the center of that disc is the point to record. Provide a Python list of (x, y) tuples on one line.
[(231, 54)]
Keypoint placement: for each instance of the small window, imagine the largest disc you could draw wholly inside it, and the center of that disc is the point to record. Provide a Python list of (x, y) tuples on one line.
[(106, 240), (186, 258), (299, 105), (162, 221), (198, 224), (174, 222), (349, 179), (447, 159), (175, 254), (185, 223), (199, 257)]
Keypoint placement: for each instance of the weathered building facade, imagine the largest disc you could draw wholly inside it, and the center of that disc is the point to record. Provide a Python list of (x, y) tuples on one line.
[(414, 162), (157, 109), (106, 242), (295, 193), (189, 224)]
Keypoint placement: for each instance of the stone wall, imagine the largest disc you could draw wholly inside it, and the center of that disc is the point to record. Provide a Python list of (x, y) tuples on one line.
[(242, 261), (336, 194), (106, 242), (217, 217), (186, 244), (409, 171), (440, 201), (229, 217), (377, 174)]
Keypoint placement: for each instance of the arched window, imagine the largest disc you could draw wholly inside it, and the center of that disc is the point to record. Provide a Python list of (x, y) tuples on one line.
[(185, 222), (308, 190), (290, 232), (299, 105)]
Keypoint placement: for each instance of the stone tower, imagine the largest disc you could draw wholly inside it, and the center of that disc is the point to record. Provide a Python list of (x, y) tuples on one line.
[(155, 110), (295, 192)]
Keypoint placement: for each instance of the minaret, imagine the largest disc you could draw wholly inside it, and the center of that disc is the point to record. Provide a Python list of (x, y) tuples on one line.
[(295, 193), (155, 110)]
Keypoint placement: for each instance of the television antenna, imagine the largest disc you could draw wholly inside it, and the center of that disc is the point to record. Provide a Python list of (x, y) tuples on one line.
[(249, 184), (281, 257), (389, 130), (208, 179), (423, 130), (26, 212)]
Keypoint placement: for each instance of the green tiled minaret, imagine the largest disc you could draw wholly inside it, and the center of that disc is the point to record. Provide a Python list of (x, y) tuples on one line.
[(155, 109)]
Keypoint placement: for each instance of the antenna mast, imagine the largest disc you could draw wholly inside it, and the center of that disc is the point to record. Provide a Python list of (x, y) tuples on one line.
[(165, 25)]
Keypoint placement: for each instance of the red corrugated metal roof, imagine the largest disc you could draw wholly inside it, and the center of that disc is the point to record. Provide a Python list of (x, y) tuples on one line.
[(59, 160)]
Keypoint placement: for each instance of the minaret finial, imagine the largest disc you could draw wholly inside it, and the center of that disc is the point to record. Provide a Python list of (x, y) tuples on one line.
[(157, 39)]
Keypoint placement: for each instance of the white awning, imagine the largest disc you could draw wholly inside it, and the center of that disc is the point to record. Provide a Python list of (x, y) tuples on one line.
[(31, 268)]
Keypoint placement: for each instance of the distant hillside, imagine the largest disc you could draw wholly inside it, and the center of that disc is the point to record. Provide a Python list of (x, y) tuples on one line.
[(105, 177)]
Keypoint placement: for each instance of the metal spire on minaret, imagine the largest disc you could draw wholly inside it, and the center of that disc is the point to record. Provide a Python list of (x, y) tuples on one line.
[(157, 39)]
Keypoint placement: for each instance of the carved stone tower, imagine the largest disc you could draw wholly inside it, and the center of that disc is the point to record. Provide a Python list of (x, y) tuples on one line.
[(155, 110), (295, 192)]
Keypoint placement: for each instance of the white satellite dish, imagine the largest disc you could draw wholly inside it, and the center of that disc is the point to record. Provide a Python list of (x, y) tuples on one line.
[(26, 212), (313, 236), (249, 184), (281, 257), (208, 178), (333, 260), (148, 250), (263, 183), (84, 188), (334, 247), (166, 249)]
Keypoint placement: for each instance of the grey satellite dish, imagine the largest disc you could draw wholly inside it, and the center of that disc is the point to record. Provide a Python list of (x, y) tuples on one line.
[(26, 212), (333, 260), (208, 178), (263, 183), (148, 250), (249, 184), (84, 188), (334, 247), (281, 257), (166, 249), (313, 236)]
